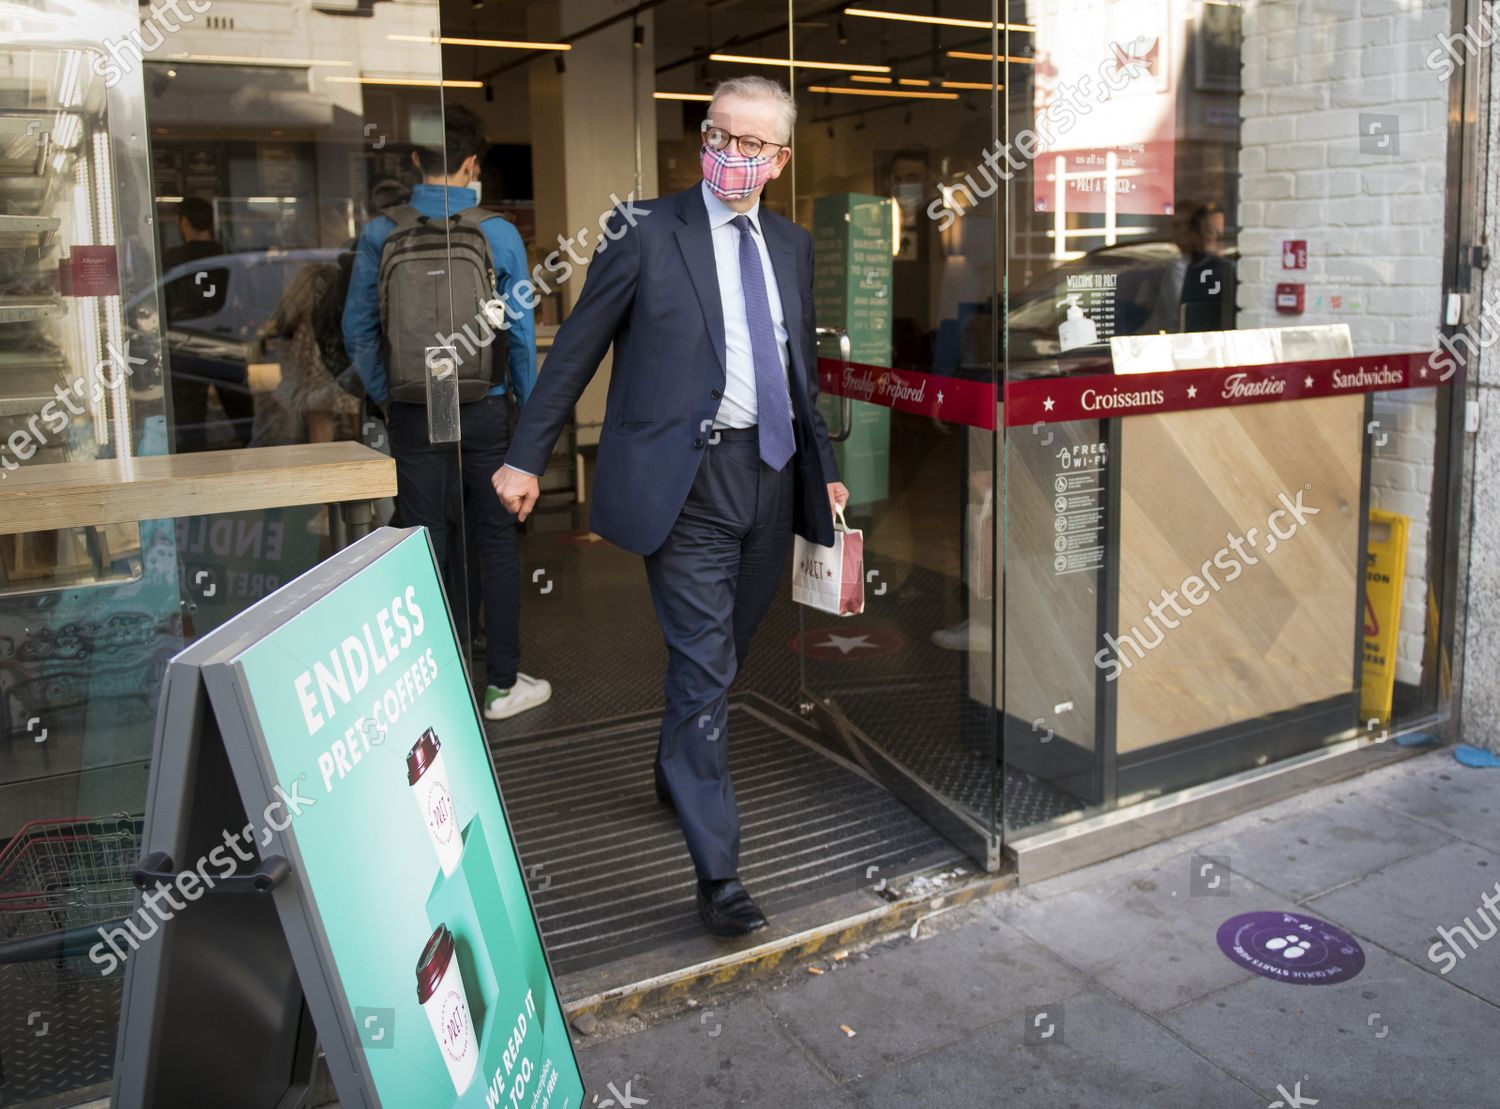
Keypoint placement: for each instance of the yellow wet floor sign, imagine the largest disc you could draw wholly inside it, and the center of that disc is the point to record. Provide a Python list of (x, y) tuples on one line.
[(1385, 573)]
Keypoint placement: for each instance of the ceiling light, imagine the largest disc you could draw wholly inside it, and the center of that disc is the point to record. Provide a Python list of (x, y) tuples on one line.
[(703, 96), (884, 92), (413, 82), (753, 59), (939, 20), (990, 57), (498, 44), (250, 59)]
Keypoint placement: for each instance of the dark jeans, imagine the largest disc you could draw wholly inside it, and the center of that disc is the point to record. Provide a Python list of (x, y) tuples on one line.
[(712, 582), (439, 484), (190, 412)]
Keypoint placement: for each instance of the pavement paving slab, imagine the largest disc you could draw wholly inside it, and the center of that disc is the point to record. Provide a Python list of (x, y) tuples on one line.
[(1306, 852), (1394, 1037), (722, 1055), (1456, 799), (1142, 933), (944, 988), (1102, 1054), (1404, 907)]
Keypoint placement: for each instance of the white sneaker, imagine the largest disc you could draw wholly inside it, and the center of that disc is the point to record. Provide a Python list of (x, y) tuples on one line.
[(955, 638), (527, 693)]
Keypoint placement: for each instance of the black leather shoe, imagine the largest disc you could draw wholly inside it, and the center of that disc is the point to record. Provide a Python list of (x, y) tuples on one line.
[(726, 910)]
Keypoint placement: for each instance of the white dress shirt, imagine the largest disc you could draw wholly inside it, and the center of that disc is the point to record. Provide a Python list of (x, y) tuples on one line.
[(738, 406)]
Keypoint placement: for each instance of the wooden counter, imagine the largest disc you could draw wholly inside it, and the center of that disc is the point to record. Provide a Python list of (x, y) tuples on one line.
[(86, 494)]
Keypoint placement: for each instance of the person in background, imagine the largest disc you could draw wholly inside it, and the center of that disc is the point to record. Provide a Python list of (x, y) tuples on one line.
[(195, 227), (388, 193), (713, 451), (1196, 289), (197, 292), (1208, 281), (433, 478), (306, 399)]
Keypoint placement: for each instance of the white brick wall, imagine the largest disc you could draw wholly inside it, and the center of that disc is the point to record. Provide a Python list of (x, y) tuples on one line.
[(1373, 222)]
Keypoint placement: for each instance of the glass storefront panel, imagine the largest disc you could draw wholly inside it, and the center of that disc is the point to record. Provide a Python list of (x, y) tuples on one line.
[(88, 613), (180, 199), (1221, 447), (905, 293)]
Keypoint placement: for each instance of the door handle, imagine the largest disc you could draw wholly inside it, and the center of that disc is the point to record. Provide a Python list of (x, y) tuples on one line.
[(846, 406)]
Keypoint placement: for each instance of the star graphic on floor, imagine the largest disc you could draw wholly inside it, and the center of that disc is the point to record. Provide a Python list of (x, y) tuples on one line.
[(846, 643), (1192, 391), (1047, 404), (1307, 382), (940, 396)]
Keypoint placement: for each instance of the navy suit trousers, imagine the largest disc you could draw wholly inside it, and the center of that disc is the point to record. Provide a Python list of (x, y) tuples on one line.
[(712, 582)]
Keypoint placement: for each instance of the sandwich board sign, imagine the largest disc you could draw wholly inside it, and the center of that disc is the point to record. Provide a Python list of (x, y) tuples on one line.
[(324, 810)]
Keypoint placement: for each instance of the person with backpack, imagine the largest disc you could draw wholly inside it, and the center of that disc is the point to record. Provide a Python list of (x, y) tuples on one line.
[(422, 271)]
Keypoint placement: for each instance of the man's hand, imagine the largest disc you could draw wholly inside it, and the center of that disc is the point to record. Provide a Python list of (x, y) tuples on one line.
[(517, 491), (838, 495)]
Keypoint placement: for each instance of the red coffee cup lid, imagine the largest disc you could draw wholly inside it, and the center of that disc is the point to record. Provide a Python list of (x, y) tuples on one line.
[(420, 757), (434, 963)]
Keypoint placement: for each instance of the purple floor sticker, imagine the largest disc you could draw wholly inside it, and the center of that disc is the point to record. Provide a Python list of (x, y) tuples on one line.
[(1290, 947)]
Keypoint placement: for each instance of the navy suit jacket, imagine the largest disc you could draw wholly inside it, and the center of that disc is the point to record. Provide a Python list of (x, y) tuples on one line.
[(653, 291)]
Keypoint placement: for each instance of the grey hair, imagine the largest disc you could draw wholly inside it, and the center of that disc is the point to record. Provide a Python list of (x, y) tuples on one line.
[(760, 88)]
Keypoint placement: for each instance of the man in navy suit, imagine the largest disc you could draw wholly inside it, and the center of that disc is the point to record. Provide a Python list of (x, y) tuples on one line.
[(712, 450)]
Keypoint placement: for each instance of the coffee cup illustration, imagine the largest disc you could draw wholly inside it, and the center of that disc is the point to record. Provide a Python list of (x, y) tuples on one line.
[(440, 992), (428, 777)]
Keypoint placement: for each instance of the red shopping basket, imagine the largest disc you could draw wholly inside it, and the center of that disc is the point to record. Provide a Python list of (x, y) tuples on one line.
[(57, 875)]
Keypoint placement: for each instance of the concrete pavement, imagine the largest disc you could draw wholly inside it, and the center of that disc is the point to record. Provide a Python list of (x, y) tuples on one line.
[(1107, 987)]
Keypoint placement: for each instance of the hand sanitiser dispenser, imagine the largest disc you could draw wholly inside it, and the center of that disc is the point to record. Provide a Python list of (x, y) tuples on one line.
[(1077, 330)]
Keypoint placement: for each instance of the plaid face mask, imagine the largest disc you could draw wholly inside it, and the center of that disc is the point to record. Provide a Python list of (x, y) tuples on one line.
[(733, 176)]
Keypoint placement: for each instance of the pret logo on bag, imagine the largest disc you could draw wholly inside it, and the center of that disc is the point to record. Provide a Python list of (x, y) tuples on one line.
[(814, 568)]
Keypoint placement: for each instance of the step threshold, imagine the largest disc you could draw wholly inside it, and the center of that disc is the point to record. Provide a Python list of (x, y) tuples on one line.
[(668, 976)]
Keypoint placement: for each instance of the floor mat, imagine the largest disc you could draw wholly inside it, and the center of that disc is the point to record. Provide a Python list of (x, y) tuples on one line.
[(609, 873)]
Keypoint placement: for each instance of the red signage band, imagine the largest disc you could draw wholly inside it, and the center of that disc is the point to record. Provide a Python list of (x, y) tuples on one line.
[(1106, 396), (951, 399)]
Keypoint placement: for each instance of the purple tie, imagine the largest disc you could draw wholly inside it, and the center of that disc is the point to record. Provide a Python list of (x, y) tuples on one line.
[(772, 404)]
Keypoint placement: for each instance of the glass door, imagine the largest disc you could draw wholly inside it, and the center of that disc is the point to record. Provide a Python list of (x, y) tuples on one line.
[(180, 202), (893, 108)]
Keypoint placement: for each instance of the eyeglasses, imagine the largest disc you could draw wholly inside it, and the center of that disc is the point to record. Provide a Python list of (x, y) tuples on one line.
[(748, 145)]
